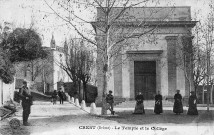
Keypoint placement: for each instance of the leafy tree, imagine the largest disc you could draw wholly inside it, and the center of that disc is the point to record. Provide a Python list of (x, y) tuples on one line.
[(20, 45), (23, 45), (7, 70)]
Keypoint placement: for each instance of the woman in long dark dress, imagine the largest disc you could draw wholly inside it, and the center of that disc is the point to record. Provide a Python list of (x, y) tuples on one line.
[(139, 107), (192, 104), (178, 106), (158, 104)]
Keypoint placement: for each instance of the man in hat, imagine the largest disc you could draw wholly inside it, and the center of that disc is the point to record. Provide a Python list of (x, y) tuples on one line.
[(26, 98), (60, 94), (178, 106), (192, 104), (110, 101)]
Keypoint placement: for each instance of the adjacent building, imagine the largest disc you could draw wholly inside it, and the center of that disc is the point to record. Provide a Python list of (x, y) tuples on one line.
[(44, 73)]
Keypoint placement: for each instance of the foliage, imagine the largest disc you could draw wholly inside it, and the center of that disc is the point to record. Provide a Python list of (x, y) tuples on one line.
[(7, 70), (20, 45), (23, 45)]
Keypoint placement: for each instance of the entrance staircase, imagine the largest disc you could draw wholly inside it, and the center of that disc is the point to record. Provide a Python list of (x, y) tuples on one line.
[(147, 103)]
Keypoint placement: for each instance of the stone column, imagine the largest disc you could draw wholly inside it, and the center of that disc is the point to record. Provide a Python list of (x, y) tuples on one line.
[(171, 58), (117, 74)]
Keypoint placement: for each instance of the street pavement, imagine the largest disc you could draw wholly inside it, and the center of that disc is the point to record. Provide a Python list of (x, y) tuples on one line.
[(67, 119)]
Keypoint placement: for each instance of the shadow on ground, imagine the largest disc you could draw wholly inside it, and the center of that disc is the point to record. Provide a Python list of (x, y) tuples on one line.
[(167, 118), (40, 125), (45, 124)]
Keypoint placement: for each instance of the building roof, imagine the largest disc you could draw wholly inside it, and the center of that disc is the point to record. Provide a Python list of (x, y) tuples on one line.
[(150, 23), (147, 14)]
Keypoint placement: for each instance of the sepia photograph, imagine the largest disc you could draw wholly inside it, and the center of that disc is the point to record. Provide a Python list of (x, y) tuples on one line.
[(106, 67)]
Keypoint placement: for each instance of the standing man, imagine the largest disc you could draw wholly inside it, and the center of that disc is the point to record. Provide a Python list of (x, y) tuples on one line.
[(26, 98), (110, 101), (60, 94)]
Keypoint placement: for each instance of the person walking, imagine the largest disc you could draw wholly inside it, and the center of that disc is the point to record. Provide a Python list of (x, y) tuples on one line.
[(139, 107), (60, 94), (158, 104), (26, 98), (110, 102), (54, 97), (178, 106), (192, 110)]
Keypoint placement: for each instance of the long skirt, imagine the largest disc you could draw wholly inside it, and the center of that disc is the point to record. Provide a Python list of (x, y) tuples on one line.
[(192, 110), (178, 107), (158, 108), (139, 108)]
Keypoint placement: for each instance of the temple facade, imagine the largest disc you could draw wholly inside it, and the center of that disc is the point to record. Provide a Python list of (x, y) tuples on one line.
[(146, 51)]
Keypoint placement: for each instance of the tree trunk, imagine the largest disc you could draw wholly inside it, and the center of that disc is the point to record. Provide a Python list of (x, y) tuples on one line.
[(79, 88), (208, 94), (104, 111), (208, 101), (85, 91), (203, 94), (211, 95)]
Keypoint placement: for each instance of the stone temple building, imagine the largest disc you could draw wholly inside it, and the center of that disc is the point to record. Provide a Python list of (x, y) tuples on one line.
[(146, 50)]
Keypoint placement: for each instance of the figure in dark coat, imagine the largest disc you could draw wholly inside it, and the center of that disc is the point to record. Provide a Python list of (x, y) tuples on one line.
[(60, 94), (139, 107), (158, 104), (110, 102), (26, 98), (192, 104), (178, 106)]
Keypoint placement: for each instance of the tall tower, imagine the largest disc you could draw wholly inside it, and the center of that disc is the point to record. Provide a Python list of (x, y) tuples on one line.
[(53, 44), (65, 47)]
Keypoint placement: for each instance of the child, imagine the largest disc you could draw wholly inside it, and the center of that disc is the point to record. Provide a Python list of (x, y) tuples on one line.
[(54, 97)]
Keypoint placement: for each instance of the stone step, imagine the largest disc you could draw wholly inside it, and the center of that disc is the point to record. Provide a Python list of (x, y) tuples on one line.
[(147, 103)]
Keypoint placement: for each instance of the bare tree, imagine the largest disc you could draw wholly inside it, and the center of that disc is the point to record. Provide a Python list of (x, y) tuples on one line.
[(204, 45), (109, 41), (85, 62)]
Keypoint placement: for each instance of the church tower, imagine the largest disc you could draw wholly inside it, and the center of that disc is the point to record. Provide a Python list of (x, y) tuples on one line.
[(53, 44)]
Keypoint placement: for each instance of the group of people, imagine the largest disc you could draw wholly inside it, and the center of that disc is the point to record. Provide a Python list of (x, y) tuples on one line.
[(158, 109), (27, 101), (59, 94), (177, 108)]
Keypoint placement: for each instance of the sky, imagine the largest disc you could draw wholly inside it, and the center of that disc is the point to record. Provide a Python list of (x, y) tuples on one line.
[(22, 12)]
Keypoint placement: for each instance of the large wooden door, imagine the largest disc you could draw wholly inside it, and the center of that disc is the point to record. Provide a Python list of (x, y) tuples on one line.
[(145, 78)]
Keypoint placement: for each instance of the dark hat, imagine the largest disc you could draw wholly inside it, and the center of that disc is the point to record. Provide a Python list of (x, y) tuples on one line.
[(110, 91)]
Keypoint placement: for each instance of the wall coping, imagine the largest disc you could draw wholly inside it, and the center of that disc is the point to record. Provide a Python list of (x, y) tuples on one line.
[(145, 52)]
